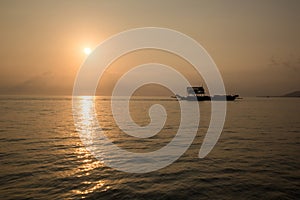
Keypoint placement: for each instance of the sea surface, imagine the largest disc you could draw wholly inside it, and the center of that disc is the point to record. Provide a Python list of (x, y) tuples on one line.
[(43, 157)]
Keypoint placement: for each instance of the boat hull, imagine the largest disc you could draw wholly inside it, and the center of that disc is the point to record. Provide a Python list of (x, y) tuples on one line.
[(209, 98)]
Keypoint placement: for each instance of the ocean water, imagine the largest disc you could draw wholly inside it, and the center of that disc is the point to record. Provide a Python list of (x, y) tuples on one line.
[(256, 157)]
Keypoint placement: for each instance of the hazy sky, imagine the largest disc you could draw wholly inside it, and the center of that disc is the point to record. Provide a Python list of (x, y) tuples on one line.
[(255, 44)]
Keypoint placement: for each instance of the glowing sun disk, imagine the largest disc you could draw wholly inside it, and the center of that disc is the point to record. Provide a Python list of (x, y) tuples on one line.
[(87, 50)]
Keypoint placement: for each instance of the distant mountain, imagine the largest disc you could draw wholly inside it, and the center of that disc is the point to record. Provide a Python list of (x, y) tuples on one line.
[(292, 94)]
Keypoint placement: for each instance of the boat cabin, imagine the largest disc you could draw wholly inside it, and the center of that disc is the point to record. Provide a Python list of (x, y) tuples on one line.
[(195, 90)]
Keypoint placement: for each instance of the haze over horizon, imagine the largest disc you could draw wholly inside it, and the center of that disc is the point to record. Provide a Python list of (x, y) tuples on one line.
[(255, 44)]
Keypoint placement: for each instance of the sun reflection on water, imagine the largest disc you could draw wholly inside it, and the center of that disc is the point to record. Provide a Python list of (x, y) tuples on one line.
[(85, 118), (86, 115), (87, 110), (94, 186)]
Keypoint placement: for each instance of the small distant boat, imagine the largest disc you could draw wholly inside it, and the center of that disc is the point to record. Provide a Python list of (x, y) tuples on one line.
[(198, 94)]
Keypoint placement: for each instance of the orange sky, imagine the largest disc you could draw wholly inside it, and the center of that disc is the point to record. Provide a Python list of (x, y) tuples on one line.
[(255, 44)]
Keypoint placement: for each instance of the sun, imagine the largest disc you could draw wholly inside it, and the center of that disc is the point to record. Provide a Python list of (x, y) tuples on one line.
[(87, 50)]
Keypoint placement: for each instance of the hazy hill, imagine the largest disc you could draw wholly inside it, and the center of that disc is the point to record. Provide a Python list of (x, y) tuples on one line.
[(292, 94)]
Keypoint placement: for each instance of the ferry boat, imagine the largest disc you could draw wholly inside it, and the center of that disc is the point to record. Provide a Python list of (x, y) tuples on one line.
[(198, 94)]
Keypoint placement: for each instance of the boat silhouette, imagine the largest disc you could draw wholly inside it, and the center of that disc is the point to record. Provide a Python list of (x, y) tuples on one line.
[(198, 94)]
